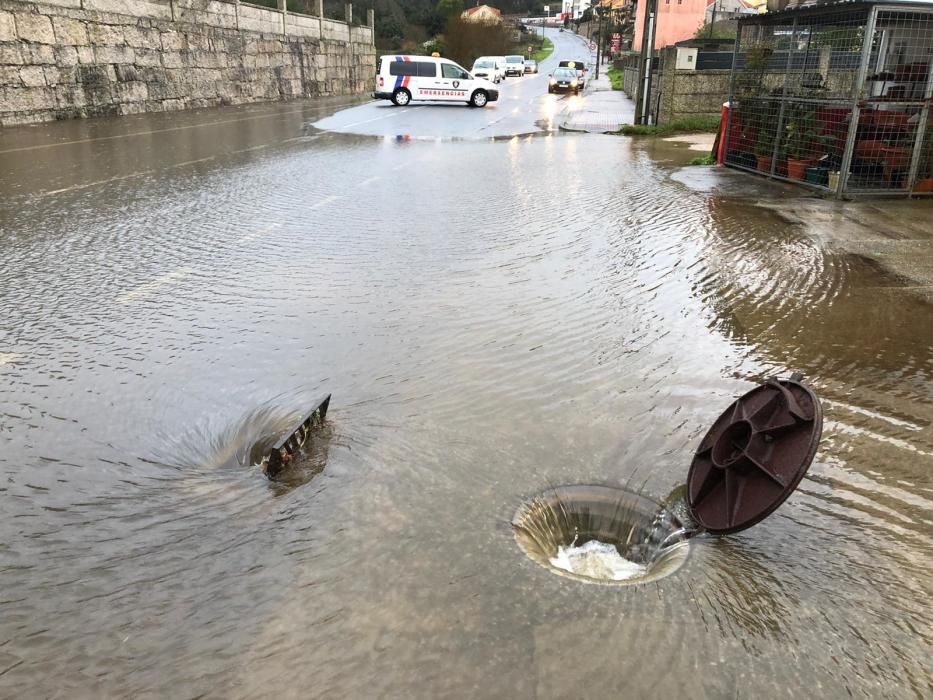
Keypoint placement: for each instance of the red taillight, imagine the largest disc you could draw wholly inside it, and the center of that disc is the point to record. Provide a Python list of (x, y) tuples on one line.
[(382, 81)]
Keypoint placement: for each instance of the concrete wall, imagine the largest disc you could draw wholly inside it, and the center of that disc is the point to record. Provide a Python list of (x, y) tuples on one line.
[(63, 59)]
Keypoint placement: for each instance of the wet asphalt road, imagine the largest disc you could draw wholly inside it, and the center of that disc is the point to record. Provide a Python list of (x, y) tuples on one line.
[(493, 317)]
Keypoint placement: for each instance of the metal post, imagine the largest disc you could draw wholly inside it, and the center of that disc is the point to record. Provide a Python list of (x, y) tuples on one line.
[(782, 109), (712, 22), (868, 39), (348, 9), (599, 39), (735, 62), (319, 5), (922, 128), (650, 12), (371, 21), (236, 14)]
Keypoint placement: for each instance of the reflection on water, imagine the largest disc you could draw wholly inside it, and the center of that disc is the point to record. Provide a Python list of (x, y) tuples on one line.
[(484, 338)]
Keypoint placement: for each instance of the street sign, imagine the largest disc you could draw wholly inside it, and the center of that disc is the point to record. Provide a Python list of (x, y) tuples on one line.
[(547, 9)]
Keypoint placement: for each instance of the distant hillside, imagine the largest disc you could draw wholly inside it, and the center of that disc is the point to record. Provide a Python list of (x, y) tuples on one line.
[(404, 21)]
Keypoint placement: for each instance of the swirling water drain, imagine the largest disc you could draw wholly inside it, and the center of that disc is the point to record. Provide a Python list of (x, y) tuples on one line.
[(602, 535)]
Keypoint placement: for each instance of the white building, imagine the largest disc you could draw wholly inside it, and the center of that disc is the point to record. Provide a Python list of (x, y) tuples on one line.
[(573, 8)]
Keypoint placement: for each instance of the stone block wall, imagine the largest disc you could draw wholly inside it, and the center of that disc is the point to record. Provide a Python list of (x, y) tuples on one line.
[(690, 93), (678, 94), (80, 58)]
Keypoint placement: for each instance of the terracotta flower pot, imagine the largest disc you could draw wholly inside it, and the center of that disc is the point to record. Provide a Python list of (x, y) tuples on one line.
[(764, 164), (797, 169), (924, 185)]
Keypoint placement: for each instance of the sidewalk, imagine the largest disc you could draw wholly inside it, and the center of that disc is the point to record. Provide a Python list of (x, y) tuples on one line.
[(601, 108)]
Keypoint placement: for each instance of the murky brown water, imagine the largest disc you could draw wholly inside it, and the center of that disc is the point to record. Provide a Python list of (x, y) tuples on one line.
[(490, 323)]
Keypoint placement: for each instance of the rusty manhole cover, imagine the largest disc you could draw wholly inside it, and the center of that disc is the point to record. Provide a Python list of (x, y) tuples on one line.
[(754, 456)]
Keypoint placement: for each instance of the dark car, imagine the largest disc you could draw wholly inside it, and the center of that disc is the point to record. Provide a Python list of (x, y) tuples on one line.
[(564, 80), (575, 65)]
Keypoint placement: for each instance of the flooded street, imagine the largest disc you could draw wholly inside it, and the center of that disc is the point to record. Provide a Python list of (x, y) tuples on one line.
[(493, 318)]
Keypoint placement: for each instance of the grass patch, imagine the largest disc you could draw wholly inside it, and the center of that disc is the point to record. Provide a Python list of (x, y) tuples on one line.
[(703, 160), (692, 125), (615, 77), (545, 50)]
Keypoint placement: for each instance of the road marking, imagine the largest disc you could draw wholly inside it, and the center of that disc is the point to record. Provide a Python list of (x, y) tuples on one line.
[(253, 236), (874, 414), (166, 130), (85, 185), (9, 358), (400, 166), (252, 148), (97, 182), (149, 287), (191, 162), (370, 180), (324, 202), (394, 113), (896, 442)]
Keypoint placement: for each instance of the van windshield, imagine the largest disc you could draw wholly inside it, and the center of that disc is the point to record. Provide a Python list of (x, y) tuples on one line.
[(484, 64), (514, 59)]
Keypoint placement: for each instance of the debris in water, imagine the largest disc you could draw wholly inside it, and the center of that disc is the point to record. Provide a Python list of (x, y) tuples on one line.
[(598, 560)]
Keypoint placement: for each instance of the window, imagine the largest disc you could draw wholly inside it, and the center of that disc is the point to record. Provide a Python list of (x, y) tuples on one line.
[(449, 70), (424, 69), (403, 68)]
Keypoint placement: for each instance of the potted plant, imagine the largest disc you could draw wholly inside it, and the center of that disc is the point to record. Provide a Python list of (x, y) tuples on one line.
[(764, 148), (799, 132)]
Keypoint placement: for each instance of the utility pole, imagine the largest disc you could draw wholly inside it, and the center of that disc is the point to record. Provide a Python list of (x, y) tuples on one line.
[(712, 22), (599, 36), (643, 93)]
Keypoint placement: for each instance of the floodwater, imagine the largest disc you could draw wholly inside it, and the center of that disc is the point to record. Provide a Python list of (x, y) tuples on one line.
[(493, 318)]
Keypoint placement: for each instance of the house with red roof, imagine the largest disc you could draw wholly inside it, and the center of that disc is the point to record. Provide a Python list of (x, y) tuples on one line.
[(482, 14)]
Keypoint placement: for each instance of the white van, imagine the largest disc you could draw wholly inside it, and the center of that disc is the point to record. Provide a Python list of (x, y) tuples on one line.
[(491, 68), (406, 78), (515, 65)]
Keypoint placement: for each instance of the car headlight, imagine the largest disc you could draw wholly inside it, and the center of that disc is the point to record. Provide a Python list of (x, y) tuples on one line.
[(573, 83), (552, 81)]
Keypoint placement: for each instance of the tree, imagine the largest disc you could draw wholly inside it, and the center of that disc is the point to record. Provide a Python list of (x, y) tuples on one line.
[(448, 9)]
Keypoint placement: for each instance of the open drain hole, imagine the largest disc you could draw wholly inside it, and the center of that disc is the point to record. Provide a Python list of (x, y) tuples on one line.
[(603, 535)]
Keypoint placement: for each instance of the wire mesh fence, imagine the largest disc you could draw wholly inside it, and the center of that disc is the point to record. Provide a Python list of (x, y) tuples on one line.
[(836, 97)]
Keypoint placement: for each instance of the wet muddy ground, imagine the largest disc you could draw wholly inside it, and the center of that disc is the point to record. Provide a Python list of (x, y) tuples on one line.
[(493, 318)]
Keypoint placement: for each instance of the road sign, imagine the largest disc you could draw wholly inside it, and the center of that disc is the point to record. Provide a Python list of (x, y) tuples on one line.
[(547, 9)]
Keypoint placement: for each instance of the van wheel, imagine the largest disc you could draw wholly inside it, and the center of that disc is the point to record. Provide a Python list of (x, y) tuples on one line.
[(401, 97), (479, 99)]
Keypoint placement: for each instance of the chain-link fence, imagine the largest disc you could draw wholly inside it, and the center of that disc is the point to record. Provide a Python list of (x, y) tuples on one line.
[(835, 96)]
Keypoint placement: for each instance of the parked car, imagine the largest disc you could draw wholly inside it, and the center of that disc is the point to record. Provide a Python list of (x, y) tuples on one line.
[(406, 78), (578, 66), (485, 68), (499, 62), (564, 80), (531, 65), (515, 65)]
